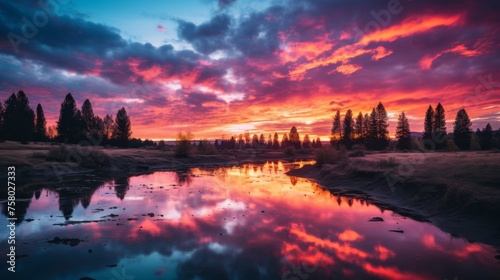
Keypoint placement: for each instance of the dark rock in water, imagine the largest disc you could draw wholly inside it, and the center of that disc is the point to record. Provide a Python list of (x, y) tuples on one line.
[(66, 241), (90, 251), (497, 257), (110, 216), (376, 219), (397, 230), (151, 215), (86, 278), (111, 265), (29, 220)]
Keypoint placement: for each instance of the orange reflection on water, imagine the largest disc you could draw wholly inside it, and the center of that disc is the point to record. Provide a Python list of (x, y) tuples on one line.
[(255, 212)]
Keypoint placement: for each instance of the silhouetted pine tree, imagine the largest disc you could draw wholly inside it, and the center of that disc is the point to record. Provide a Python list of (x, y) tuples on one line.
[(232, 143), (269, 142), (295, 138), (18, 118), (403, 133), (439, 127), (307, 142), (276, 141), (40, 124), (371, 139), (88, 119), (255, 141), (336, 133), (68, 125), (318, 143), (428, 123), (461, 130), (262, 141), (122, 128), (348, 130), (358, 130), (366, 126), (486, 137), (382, 125), (284, 141)]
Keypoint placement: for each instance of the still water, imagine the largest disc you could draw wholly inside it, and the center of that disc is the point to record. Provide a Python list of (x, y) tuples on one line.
[(247, 222)]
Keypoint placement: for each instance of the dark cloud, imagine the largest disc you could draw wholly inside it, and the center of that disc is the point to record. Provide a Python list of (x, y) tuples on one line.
[(261, 48), (207, 37)]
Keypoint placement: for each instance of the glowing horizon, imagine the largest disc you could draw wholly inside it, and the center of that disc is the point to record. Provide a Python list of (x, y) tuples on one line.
[(220, 68)]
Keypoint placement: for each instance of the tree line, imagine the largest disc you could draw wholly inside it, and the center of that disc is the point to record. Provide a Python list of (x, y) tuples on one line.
[(18, 122), (244, 141), (371, 130)]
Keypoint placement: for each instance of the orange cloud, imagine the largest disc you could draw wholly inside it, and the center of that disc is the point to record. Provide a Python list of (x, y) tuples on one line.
[(411, 26), (426, 61), (344, 54)]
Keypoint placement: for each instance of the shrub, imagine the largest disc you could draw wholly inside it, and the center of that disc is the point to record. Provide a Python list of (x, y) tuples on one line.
[(94, 158), (357, 151), (206, 148), (387, 162), (450, 145), (183, 147), (328, 155), (59, 153), (161, 145), (84, 156), (290, 151)]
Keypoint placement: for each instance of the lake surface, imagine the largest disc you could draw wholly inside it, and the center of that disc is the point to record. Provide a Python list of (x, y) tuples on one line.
[(248, 222)]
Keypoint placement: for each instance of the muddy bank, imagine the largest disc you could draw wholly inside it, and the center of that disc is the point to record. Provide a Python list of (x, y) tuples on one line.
[(460, 198)]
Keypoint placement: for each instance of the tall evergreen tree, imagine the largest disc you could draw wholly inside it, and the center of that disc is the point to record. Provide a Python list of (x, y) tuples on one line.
[(97, 133), (307, 142), (262, 140), (255, 141), (318, 143), (428, 123), (295, 138), (276, 142), (348, 130), (122, 129), (439, 127), (41, 124), (69, 125), (336, 133), (358, 131), (108, 124), (486, 139), (382, 131), (403, 133), (371, 139), (461, 130), (18, 118), (366, 126), (284, 141), (88, 118)]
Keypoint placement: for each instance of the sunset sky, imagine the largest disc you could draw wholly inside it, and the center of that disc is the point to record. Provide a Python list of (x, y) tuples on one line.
[(222, 67)]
